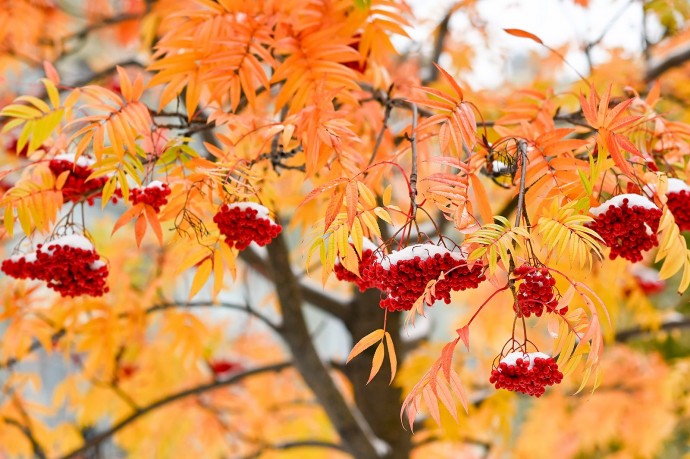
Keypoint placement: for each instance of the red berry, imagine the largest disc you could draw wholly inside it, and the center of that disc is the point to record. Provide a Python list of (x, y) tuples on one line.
[(678, 203), (537, 290), (223, 367), (245, 222), (526, 373), (648, 279), (77, 187), (155, 194), (628, 224), (69, 265), (404, 274), (365, 261)]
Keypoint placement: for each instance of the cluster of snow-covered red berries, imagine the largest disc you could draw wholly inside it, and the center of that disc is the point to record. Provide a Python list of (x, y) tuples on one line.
[(223, 367), (648, 279), (245, 222), (527, 373), (155, 194), (678, 194), (77, 187), (628, 224), (536, 292), (70, 265), (404, 274), (366, 259)]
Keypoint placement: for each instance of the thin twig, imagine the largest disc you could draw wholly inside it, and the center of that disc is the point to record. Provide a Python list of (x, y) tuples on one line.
[(413, 173)]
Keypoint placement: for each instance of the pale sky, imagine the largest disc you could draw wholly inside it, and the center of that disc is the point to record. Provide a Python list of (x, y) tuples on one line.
[(554, 21)]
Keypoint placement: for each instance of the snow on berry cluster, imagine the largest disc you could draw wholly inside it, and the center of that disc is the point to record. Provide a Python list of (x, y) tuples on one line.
[(678, 194), (527, 373), (628, 224), (245, 222), (69, 265), (536, 292), (403, 275), (648, 279), (155, 194), (76, 186), (365, 261)]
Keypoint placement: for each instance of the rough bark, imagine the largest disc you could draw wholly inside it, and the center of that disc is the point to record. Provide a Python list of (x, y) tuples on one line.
[(295, 333), (378, 401)]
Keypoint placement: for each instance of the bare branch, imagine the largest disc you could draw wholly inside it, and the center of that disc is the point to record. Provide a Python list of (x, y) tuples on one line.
[(234, 379), (636, 331), (356, 435), (674, 59), (293, 445)]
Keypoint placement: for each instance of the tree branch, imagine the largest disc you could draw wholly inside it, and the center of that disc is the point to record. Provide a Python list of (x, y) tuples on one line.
[(293, 445), (236, 378), (307, 361), (35, 446), (673, 59), (310, 293), (439, 45), (633, 332)]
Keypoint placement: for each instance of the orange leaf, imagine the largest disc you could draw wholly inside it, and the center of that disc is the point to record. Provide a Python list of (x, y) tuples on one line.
[(464, 334), (391, 356), (523, 34), (451, 80), (376, 362), (365, 343), (351, 197), (334, 205), (128, 216), (51, 72), (140, 229), (152, 217)]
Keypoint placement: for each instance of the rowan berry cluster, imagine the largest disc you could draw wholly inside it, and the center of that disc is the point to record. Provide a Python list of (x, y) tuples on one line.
[(246, 222), (69, 265), (628, 224), (678, 203), (526, 373), (222, 367), (536, 292), (155, 194), (648, 279), (365, 261), (404, 274), (77, 187)]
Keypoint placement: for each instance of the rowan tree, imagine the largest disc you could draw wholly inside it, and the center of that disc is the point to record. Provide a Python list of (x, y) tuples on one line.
[(208, 204)]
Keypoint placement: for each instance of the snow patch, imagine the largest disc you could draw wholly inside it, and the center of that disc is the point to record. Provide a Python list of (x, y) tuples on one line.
[(645, 274), (499, 167), (98, 264), (423, 251), (617, 201), (155, 184), (511, 359), (72, 240), (676, 186), (28, 257), (82, 161), (261, 211)]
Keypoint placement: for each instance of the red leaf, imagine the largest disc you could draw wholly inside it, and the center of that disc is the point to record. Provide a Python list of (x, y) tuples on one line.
[(523, 34)]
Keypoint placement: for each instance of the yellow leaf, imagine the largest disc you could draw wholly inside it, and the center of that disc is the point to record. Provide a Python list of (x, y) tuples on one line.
[(387, 195), (202, 274)]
